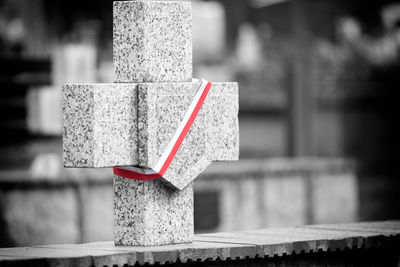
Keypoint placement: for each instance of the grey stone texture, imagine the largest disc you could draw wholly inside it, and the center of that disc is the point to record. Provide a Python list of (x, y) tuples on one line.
[(108, 125), (38, 216), (251, 194), (214, 134), (148, 213), (96, 202), (130, 122), (152, 41), (266, 246), (222, 123), (99, 125), (256, 193), (161, 109)]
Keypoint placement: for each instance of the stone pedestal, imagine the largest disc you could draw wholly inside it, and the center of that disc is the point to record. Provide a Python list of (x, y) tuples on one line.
[(149, 213)]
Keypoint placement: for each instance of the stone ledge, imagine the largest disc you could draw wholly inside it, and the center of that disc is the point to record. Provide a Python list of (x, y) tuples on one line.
[(266, 243), (231, 170)]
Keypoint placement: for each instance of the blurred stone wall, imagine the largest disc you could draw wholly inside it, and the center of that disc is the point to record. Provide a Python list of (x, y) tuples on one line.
[(249, 194)]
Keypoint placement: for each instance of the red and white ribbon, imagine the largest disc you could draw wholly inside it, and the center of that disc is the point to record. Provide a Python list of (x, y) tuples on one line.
[(158, 170)]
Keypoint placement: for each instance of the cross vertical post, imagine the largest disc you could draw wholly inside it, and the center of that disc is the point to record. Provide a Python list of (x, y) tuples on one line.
[(131, 124)]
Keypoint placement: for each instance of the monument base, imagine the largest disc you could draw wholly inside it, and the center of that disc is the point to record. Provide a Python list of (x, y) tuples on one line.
[(149, 213), (354, 244)]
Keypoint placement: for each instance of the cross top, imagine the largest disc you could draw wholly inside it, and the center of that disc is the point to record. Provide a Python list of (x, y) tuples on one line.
[(156, 125)]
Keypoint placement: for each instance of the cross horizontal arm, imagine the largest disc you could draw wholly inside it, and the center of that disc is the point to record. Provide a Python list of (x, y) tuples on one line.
[(108, 125)]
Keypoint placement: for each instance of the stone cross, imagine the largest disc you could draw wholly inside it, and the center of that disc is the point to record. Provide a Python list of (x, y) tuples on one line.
[(131, 121)]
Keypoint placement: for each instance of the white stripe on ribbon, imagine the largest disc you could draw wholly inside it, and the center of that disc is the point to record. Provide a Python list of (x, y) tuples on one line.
[(155, 170)]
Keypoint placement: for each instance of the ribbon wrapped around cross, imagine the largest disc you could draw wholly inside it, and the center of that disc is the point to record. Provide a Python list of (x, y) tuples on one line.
[(158, 170)]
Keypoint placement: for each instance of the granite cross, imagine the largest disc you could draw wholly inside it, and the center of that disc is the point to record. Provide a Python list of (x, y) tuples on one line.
[(132, 121)]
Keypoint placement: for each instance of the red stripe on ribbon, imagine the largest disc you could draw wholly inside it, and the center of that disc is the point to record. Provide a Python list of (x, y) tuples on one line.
[(185, 129), (145, 177), (135, 175)]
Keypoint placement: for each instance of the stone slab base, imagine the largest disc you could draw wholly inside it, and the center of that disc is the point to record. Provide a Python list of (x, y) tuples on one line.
[(356, 244)]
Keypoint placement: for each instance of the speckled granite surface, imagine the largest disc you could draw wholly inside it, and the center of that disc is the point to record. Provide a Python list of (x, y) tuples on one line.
[(148, 213), (109, 125), (222, 123), (152, 41), (99, 125), (213, 136), (161, 109), (131, 122)]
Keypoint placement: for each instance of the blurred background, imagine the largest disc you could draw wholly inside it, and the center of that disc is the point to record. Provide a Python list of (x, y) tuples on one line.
[(318, 139)]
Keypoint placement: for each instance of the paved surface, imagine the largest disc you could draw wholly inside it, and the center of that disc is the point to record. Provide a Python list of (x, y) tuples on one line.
[(265, 243)]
